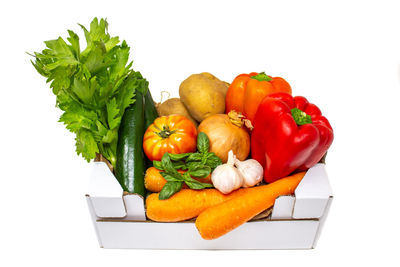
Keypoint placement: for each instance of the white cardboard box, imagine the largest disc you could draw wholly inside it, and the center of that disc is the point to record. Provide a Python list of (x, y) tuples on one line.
[(295, 223)]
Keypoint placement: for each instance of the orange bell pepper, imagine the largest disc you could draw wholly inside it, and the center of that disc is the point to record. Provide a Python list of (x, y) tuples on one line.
[(248, 90)]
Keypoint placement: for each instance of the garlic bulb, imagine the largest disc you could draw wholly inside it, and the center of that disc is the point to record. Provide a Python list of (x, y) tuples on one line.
[(226, 177), (251, 170)]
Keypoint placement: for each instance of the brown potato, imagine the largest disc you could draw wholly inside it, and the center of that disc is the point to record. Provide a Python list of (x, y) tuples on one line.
[(174, 106), (203, 95)]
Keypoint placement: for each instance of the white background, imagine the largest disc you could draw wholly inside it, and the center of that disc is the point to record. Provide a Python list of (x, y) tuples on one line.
[(343, 56)]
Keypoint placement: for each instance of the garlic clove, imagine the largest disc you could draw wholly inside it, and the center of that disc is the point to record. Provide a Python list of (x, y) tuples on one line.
[(251, 170), (226, 177)]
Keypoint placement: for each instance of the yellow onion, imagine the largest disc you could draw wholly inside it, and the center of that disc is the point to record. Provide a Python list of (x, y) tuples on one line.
[(227, 132)]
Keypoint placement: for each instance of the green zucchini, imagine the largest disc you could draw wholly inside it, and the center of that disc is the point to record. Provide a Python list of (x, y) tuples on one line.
[(130, 167), (150, 111), (150, 114)]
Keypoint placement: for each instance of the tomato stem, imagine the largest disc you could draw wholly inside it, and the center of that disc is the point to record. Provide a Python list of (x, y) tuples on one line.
[(165, 132)]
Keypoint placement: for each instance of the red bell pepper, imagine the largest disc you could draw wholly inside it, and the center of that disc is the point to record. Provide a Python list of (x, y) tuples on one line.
[(290, 134)]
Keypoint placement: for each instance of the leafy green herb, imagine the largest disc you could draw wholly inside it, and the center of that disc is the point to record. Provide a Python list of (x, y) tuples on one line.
[(194, 184), (191, 165), (175, 179), (203, 143), (169, 189), (213, 161), (199, 171), (177, 157), (168, 166), (195, 157), (170, 178), (199, 164), (203, 158), (178, 165), (158, 165), (93, 87)]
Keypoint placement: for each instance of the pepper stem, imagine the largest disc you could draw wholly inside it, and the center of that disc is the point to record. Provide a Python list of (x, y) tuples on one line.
[(300, 117), (261, 77)]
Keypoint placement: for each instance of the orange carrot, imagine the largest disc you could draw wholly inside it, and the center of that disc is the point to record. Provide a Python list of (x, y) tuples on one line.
[(154, 182), (224, 217), (184, 205)]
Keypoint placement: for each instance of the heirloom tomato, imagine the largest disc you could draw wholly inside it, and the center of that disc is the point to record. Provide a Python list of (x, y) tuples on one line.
[(174, 134)]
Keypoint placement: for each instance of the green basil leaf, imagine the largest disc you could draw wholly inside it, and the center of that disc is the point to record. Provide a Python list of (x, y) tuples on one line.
[(169, 189), (204, 158), (211, 155), (171, 178), (193, 165), (203, 143), (194, 184), (180, 165), (177, 157), (213, 161), (168, 166), (200, 171), (158, 165), (183, 167), (194, 157)]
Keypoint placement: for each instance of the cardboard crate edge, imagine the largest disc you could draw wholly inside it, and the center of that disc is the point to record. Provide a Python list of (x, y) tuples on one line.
[(111, 211)]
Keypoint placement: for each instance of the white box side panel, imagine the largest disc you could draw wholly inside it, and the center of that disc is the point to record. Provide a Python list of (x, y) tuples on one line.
[(322, 221), (312, 194), (102, 182), (105, 192), (135, 210), (94, 218), (254, 235), (283, 207), (108, 207)]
